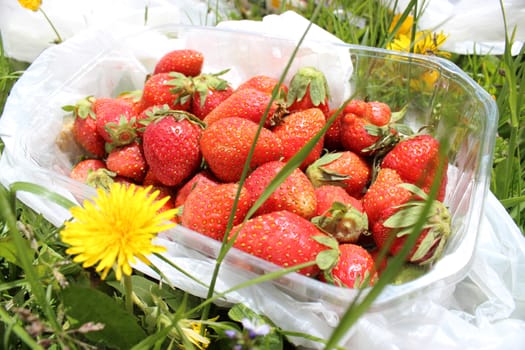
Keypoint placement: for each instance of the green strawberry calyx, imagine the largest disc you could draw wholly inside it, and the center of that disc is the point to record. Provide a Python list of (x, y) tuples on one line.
[(308, 79), (436, 225), (161, 112), (343, 222), (327, 259), (186, 87), (321, 176), (82, 109), (122, 133)]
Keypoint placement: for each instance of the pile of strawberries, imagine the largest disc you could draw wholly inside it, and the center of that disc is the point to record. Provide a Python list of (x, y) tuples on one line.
[(362, 185)]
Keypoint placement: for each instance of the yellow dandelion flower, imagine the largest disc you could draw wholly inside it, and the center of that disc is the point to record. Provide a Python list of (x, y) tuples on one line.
[(116, 228), (32, 5), (426, 82), (425, 43), (405, 28), (192, 331)]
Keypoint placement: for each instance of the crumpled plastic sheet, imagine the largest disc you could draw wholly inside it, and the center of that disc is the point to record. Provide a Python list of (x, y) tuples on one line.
[(471, 26), (486, 310)]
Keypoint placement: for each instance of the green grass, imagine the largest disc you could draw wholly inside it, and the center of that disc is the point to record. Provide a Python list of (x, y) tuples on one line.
[(33, 264)]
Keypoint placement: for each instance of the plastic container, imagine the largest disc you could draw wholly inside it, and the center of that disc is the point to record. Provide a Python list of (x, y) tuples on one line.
[(101, 63)]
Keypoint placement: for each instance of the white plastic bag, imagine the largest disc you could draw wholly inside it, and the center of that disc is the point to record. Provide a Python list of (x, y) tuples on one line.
[(471, 26), (26, 34)]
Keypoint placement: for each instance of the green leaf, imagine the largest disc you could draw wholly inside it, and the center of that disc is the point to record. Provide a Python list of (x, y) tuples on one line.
[(327, 259), (90, 305), (327, 241), (42, 192), (8, 250)]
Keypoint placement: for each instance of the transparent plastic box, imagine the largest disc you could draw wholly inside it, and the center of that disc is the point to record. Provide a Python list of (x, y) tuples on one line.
[(102, 63)]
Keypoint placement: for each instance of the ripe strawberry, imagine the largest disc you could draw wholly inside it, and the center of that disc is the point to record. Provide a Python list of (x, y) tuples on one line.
[(81, 170), (332, 137), (207, 208), (263, 83), (345, 169), (158, 90), (201, 178), (281, 237), (202, 105), (380, 113), (134, 98), (333, 134), (397, 222), (205, 91), (115, 120), (171, 147), (339, 214), (296, 129), (226, 143), (384, 193), (186, 61), (85, 127), (92, 172), (367, 133), (417, 160), (295, 193), (308, 89), (355, 267), (128, 161), (248, 103)]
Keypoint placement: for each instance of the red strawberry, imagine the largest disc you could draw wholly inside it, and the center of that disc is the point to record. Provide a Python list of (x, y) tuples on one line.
[(360, 108), (308, 89), (263, 83), (332, 137), (380, 113), (92, 172), (368, 132), (201, 178), (206, 91), (171, 147), (339, 214), (295, 193), (355, 267), (384, 193), (345, 169), (158, 90), (134, 98), (128, 161), (417, 160), (333, 134), (81, 170), (281, 237), (248, 103), (85, 127), (296, 129), (398, 221), (202, 105), (115, 120), (186, 61), (207, 208), (226, 143)]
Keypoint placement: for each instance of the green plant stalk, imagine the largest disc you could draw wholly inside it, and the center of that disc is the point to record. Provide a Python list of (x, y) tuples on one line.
[(228, 243), (7, 205), (59, 38), (128, 293), (514, 121), (18, 330)]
